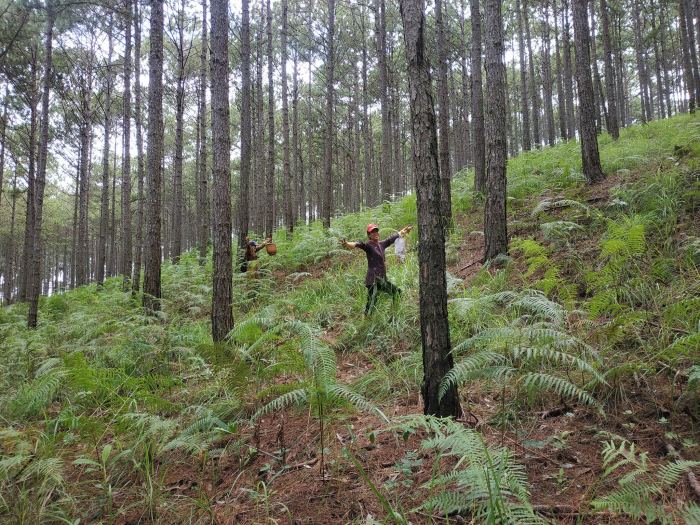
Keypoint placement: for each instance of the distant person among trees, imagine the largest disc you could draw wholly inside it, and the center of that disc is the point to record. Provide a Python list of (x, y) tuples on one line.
[(251, 251), (376, 280)]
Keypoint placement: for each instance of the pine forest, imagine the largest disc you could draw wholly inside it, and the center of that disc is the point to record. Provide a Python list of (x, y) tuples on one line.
[(349, 262)]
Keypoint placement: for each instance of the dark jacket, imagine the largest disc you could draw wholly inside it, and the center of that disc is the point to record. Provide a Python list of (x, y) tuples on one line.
[(376, 265)]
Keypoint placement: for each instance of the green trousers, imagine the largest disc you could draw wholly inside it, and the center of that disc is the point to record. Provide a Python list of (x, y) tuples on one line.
[(380, 285)]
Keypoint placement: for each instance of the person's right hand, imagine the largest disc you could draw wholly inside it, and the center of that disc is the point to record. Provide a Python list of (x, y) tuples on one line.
[(344, 244)]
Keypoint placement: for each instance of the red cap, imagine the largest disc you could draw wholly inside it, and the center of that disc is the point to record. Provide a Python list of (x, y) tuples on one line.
[(371, 227)]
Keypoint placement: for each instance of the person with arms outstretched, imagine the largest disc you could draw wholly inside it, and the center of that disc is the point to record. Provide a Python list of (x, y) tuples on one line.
[(376, 280), (251, 251)]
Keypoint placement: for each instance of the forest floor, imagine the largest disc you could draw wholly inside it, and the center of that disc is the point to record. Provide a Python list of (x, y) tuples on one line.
[(115, 417)]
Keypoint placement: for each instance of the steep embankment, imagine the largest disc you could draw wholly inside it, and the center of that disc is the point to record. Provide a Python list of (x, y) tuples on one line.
[(579, 351)]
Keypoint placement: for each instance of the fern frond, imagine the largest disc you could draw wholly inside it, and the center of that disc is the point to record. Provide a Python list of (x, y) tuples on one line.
[(467, 367), (556, 384), (295, 397), (355, 399)]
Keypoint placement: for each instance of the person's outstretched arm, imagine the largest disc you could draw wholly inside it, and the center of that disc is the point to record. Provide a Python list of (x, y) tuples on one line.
[(348, 245)]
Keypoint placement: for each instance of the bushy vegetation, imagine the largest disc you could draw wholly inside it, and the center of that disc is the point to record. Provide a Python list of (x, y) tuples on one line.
[(598, 302)]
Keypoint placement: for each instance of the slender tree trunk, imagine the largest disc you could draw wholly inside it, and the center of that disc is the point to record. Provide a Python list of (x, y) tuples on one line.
[(3, 138), (622, 99), (38, 203), (612, 124), (592, 169), (243, 199), (641, 66), (568, 75), (138, 120), (261, 166), (561, 101), (657, 63), (369, 180), (385, 160), (534, 87), (547, 77), (443, 118), (269, 203), (495, 225), (478, 137), (598, 95), (690, 30), (31, 178), (74, 244), (525, 110), (221, 312), (7, 292), (297, 161), (329, 132), (176, 236), (151, 274), (203, 219), (286, 168), (435, 331), (664, 57), (127, 250), (104, 195), (82, 263), (112, 232)]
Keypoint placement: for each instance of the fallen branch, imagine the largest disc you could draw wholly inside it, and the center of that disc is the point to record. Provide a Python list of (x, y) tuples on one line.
[(468, 265), (692, 479)]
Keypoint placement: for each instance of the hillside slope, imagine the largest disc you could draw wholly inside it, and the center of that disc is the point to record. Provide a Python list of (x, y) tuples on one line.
[(578, 363)]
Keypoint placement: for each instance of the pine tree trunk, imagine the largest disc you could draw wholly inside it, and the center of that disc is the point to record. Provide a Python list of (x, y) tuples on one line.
[(152, 255), (561, 101), (435, 332), (612, 124), (495, 225), (641, 66), (7, 291), (385, 168), (33, 97), (568, 75), (547, 76), (269, 203), (664, 58), (261, 167), (369, 180), (127, 250), (524, 108), (287, 174), (690, 30), (112, 232), (203, 218), (82, 263), (534, 83), (598, 95), (221, 311), (297, 158), (40, 183), (327, 201), (246, 137), (177, 206), (657, 63), (444, 118), (104, 194), (622, 98), (3, 138), (140, 169), (592, 169), (478, 137)]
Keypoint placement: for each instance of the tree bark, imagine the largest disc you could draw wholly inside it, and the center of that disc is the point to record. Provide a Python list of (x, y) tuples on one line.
[(612, 123), (592, 169), (221, 312), (534, 88), (561, 101), (243, 199), (598, 94), (547, 77), (385, 167), (40, 183), (287, 174), (369, 180), (524, 108), (33, 98), (269, 204), (10, 255), (435, 331), (478, 138), (495, 225), (327, 201), (151, 274), (690, 30), (641, 65), (127, 250), (444, 118), (203, 218), (104, 193), (177, 206), (140, 168), (568, 75)]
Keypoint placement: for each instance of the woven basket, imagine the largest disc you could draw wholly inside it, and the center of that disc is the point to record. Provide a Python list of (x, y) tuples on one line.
[(271, 248)]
